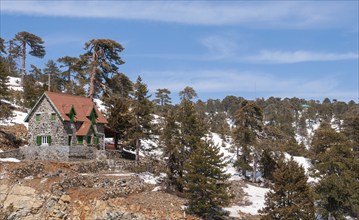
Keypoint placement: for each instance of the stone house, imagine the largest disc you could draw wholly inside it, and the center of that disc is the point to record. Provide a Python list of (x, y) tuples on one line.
[(59, 119)]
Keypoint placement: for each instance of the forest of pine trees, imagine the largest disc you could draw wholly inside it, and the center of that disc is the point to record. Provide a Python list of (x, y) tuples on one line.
[(261, 131)]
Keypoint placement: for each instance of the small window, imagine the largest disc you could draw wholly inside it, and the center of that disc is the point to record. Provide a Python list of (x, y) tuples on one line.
[(38, 117), (69, 140), (80, 139), (43, 140), (53, 116)]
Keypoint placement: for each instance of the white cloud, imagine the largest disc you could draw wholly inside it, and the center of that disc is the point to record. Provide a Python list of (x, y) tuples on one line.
[(267, 56), (232, 82), (265, 14)]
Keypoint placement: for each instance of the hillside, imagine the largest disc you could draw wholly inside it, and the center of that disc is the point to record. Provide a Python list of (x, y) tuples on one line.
[(102, 189)]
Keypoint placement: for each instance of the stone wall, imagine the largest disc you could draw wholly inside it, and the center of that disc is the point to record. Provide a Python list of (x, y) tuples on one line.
[(12, 154), (59, 153)]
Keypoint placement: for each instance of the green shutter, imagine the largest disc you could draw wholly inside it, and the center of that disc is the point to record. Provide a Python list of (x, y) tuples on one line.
[(38, 140), (49, 141), (89, 139), (95, 140)]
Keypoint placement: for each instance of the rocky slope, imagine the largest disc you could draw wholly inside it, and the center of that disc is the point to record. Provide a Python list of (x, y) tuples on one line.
[(49, 190)]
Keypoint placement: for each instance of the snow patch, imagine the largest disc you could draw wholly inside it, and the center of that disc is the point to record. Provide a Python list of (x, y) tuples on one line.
[(100, 105), (13, 160), (14, 83), (255, 195), (150, 178), (302, 161), (17, 118)]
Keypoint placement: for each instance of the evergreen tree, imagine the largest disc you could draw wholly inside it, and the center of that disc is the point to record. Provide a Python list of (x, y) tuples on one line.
[(249, 125), (351, 126), (32, 91), (103, 57), (54, 82), (141, 109), (118, 102), (338, 167), (191, 127), (73, 76), (163, 99), (206, 185), (13, 53), (174, 153), (188, 93), (2, 46), (187, 130), (268, 164), (24, 39), (290, 196), (5, 111)]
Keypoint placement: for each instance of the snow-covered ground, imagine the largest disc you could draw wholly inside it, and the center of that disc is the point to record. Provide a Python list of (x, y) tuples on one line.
[(18, 118), (14, 83), (255, 195)]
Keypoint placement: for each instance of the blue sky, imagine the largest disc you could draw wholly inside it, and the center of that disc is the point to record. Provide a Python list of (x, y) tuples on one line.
[(253, 49)]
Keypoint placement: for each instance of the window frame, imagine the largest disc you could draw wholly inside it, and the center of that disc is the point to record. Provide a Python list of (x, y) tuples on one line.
[(53, 116), (37, 117)]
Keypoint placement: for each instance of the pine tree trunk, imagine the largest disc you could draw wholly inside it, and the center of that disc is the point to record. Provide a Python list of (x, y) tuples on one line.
[(255, 161), (49, 82), (138, 143), (93, 75), (23, 65)]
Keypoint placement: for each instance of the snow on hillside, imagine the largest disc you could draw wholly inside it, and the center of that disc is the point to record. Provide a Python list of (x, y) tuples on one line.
[(255, 196), (17, 118), (14, 83)]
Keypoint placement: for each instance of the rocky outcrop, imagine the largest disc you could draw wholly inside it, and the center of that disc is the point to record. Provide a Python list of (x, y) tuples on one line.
[(35, 190)]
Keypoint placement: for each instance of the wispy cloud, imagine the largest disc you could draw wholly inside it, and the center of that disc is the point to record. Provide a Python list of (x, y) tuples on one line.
[(232, 82), (265, 14), (277, 57)]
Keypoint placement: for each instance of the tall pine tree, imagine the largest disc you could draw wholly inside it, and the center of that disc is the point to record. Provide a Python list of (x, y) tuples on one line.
[(141, 109), (173, 152), (337, 165), (249, 125), (24, 39), (103, 57), (290, 196), (206, 185)]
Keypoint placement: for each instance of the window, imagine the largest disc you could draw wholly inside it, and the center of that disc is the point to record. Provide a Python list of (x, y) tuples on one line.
[(43, 140), (80, 139), (69, 140), (38, 117), (88, 139), (53, 116)]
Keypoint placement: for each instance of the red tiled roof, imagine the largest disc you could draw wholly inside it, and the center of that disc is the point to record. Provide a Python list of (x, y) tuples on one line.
[(83, 107), (84, 129)]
